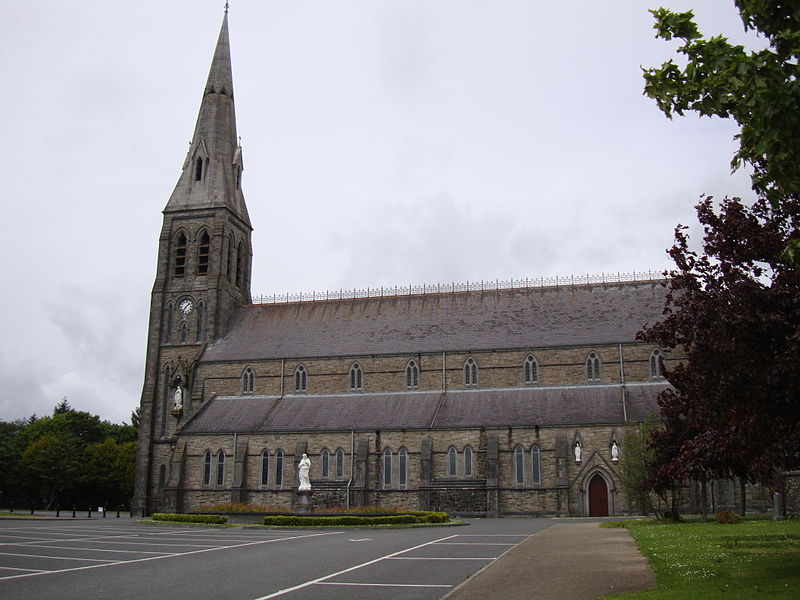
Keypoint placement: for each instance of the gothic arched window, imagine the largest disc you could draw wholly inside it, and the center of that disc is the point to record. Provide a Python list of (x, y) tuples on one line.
[(656, 362), (593, 367), (180, 255), (229, 260), (184, 335), (202, 254), (240, 265), (300, 379), (412, 374), (387, 467), (470, 372), (536, 465), (452, 462), (279, 468), (248, 381), (403, 467), (221, 467), (325, 459), (265, 467), (339, 463), (519, 468), (198, 168), (356, 378), (468, 461), (207, 468), (530, 370)]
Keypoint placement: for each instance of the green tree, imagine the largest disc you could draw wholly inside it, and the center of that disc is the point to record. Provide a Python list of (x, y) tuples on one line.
[(634, 465), (733, 307), (49, 467), (108, 471), (11, 448), (758, 89), (62, 407)]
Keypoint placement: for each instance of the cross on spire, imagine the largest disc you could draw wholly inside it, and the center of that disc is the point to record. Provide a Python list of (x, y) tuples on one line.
[(226, 7)]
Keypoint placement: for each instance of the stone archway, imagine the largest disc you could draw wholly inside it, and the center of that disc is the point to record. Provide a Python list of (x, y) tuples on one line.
[(598, 496)]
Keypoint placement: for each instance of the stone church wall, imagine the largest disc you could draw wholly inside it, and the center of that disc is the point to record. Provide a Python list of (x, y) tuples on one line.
[(496, 369)]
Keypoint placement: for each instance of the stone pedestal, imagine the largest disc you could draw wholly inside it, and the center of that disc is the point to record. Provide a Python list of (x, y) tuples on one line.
[(303, 502)]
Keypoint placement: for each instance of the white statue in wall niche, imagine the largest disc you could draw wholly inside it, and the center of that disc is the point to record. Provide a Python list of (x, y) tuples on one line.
[(305, 466), (577, 452), (614, 451), (177, 399)]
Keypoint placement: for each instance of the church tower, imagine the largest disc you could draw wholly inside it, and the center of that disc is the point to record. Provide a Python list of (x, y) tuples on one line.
[(203, 273)]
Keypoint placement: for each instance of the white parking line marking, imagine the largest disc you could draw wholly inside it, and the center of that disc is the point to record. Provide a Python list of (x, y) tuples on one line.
[(405, 585), (371, 562), (442, 558), (102, 560), (177, 554), (90, 549), (473, 544), (21, 569)]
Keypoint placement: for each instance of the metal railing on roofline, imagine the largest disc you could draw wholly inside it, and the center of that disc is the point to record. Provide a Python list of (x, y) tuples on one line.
[(469, 286)]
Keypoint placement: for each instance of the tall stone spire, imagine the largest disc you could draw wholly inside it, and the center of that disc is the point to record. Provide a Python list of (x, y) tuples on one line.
[(212, 171)]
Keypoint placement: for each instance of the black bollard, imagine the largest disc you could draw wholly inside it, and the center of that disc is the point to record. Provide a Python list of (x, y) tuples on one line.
[(118, 512), (104, 512), (89, 513), (73, 511), (58, 511), (31, 510)]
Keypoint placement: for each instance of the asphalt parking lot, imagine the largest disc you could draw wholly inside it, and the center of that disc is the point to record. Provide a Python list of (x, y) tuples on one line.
[(125, 558)]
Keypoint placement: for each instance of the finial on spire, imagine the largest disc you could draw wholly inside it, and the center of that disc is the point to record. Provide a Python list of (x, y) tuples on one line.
[(226, 7)]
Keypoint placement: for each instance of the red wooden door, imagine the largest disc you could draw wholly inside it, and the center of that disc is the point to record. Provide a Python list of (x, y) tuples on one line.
[(598, 497)]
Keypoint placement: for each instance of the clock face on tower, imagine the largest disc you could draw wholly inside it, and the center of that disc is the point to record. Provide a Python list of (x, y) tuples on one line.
[(185, 306)]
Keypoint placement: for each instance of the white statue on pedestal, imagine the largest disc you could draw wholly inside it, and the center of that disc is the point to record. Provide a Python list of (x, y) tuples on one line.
[(177, 400), (614, 451), (577, 452), (305, 465)]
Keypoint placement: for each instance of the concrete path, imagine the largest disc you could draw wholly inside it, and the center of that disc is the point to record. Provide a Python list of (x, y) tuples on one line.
[(571, 560)]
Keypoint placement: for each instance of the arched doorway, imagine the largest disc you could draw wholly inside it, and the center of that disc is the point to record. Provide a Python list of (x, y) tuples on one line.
[(598, 496)]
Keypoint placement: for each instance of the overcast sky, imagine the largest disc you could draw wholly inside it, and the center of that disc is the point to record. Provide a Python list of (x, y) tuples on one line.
[(385, 142)]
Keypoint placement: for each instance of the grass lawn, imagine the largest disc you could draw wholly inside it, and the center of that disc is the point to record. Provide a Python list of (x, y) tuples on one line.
[(751, 559)]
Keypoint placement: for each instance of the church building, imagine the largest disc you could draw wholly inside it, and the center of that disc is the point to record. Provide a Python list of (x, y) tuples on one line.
[(476, 400)]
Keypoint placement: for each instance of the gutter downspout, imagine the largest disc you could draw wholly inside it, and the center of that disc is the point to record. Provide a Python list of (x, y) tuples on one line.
[(233, 471), (622, 380), (444, 371), (352, 465)]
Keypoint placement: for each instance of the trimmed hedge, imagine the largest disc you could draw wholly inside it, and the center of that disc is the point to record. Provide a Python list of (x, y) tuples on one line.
[(314, 521), (426, 516), (181, 518)]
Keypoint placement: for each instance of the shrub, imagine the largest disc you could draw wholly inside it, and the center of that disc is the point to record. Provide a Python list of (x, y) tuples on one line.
[(425, 516), (182, 518), (725, 516), (311, 521)]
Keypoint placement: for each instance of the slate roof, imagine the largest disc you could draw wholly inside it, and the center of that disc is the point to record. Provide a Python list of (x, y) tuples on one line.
[(455, 409), (460, 321)]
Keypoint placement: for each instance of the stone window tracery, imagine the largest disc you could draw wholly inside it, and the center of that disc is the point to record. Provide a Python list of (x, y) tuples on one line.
[(656, 363), (356, 378), (300, 379), (593, 367), (470, 372), (248, 381), (412, 375), (530, 370)]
